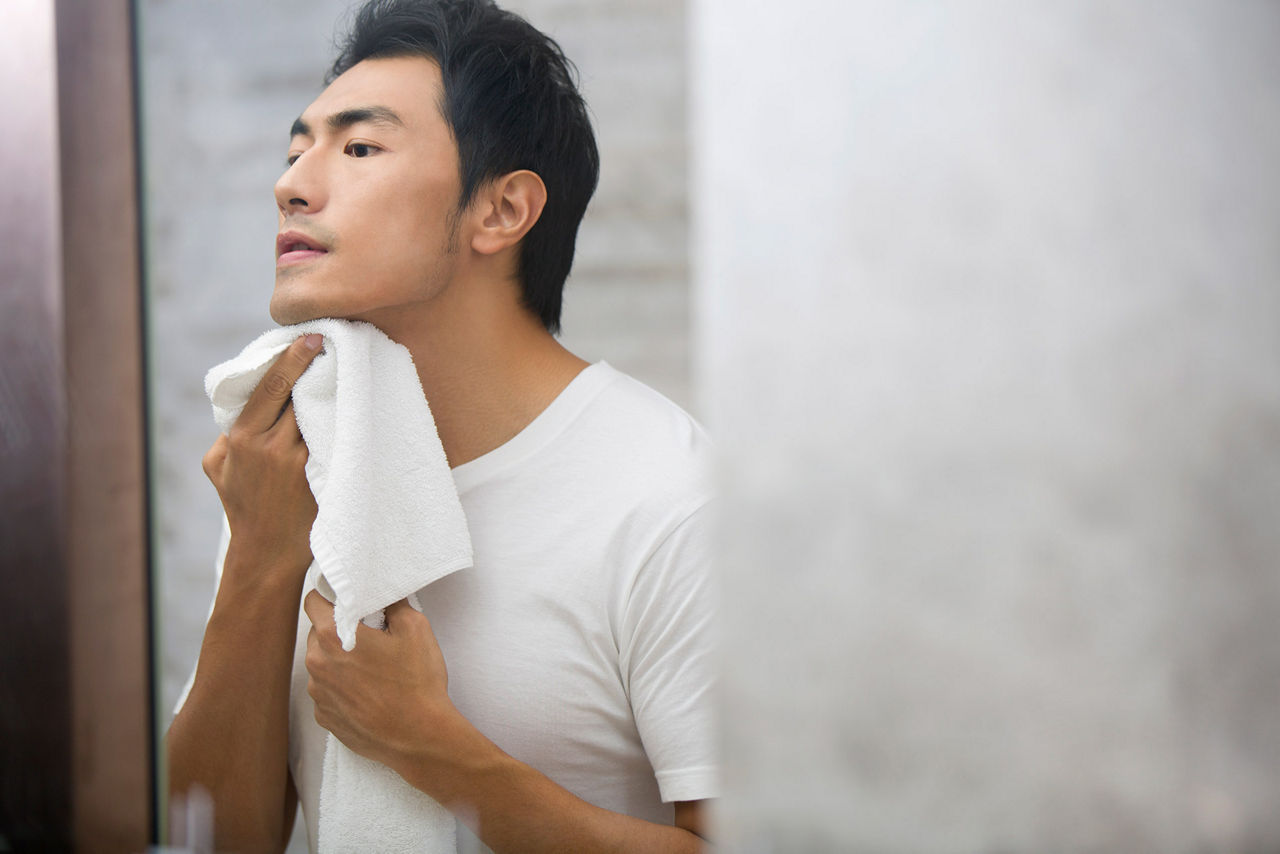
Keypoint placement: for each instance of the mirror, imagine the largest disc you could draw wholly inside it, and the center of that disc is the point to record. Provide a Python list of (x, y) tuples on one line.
[(220, 84)]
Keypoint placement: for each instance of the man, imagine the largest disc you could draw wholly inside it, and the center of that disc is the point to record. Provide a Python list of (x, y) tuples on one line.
[(434, 189)]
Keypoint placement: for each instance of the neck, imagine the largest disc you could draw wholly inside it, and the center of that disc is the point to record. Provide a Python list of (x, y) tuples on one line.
[(487, 366)]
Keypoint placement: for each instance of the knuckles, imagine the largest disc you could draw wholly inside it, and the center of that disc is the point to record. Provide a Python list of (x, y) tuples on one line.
[(272, 448), (313, 663), (212, 461), (323, 639), (277, 384), (317, 662), (316, 690), (238, 437)]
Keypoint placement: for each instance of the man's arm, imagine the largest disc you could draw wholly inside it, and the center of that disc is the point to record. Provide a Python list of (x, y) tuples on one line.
[(232, 733), (388, 699)]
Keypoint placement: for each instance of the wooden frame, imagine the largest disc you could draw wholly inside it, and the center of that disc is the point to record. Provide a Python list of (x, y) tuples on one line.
[(77, 767), (106, 488)]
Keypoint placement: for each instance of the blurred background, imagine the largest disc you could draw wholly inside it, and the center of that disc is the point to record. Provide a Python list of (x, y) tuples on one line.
[(981, 301), (988, 328)]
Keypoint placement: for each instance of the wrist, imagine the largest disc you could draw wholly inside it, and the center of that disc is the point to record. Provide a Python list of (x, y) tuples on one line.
[(261, 569), (451, 760)]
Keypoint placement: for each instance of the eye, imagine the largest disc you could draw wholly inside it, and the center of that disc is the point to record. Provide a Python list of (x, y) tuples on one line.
[(292, 158), (359, 149)]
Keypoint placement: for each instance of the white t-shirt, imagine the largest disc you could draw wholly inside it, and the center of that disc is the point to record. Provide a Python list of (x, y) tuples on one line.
[(581, 641)]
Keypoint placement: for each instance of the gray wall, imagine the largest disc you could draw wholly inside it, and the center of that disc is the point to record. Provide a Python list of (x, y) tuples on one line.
[(988, 328)]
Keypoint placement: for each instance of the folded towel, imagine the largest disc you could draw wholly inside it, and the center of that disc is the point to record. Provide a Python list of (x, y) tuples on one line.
[(388, 523)]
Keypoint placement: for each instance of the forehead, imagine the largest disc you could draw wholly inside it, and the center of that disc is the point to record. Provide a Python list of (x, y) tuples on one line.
[(409, 86)]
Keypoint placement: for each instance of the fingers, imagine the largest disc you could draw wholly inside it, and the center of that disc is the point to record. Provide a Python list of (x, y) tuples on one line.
[(402, 619), (289, 422), (406, 624), (397, 612), (269, 398), (319, 609)]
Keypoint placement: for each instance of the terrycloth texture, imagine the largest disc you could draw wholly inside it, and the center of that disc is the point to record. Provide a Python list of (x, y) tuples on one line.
[(389, 520), (388, 523), (378, 811)]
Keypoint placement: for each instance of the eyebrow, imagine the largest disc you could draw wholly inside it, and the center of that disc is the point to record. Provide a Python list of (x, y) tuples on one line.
[(346, 118)]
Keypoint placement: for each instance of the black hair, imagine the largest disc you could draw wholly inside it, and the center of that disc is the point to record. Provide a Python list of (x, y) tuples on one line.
[(511, 101)]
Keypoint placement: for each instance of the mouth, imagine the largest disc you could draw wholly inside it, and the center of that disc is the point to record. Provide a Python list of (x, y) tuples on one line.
[(294, 247)]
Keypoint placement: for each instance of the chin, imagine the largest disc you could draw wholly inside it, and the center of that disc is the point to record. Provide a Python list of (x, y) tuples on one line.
[(287, 311), (287, 315)]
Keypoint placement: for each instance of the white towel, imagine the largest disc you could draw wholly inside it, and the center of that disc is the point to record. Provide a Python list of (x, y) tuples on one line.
[(388, 523)]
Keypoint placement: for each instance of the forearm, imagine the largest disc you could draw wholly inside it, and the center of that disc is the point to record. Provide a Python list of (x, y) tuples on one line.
[(232, 734), (513, 807)]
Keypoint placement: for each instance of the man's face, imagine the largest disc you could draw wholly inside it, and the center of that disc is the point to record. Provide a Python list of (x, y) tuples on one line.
[(367, 225)]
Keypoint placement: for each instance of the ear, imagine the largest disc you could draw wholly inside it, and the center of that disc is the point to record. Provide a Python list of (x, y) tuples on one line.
[(508, 208)]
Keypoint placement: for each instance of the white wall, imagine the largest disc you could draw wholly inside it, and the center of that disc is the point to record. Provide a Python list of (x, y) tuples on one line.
[(988, 326)]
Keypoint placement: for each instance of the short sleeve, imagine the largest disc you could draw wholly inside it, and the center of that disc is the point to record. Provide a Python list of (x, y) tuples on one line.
[(668, 658)]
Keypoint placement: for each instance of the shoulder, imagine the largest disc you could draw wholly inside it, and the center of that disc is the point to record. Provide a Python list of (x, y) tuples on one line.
[(644, 440), (609, 454), (651, 418)]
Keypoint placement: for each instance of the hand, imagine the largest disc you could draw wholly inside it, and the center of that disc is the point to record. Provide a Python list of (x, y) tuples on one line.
[(388, 698), (258, 469)]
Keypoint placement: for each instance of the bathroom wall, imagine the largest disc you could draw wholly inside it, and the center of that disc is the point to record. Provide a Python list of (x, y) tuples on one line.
[(988, 327)]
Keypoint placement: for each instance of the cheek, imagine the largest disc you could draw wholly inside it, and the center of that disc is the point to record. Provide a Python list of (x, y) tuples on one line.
[(415, 237), (418, 206), (398, 230), (405, 267)]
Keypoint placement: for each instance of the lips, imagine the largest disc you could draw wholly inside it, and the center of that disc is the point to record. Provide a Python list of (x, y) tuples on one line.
[(294, 247)]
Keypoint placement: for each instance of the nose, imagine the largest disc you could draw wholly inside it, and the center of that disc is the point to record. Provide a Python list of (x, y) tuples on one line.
[(300, 188)]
